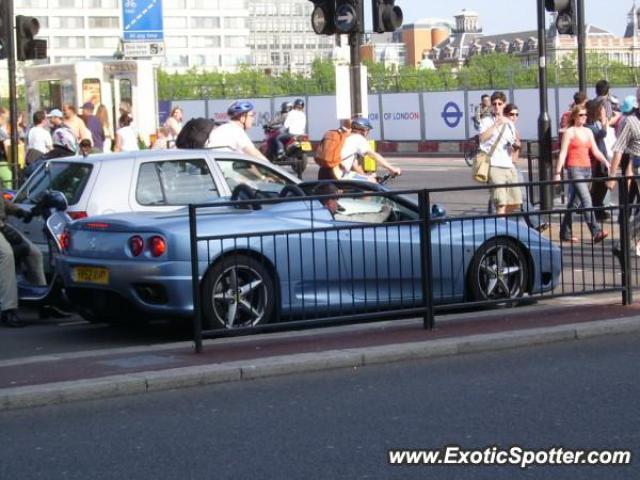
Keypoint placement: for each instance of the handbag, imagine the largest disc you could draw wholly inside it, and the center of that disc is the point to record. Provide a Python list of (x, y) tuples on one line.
[(482, 161)]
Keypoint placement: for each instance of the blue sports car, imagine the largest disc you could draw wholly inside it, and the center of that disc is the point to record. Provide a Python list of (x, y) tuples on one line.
[(298, 258)]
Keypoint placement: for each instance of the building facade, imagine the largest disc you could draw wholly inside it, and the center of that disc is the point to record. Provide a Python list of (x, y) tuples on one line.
[(281, 38), (204, 34)]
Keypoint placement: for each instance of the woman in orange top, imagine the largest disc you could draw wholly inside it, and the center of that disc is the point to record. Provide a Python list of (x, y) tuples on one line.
[(577, 142)]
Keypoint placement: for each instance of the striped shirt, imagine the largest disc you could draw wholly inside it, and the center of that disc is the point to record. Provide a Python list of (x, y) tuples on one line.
[(629, 139)]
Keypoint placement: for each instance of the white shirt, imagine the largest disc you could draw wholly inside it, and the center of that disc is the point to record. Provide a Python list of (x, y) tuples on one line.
[(502, 155), (354, 145), (39, 138), (296, 122), (230, 135), (128, 139)]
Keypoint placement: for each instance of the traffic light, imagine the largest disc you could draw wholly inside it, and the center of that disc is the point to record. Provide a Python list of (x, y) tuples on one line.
[(323, 17), (567, 12), (28, 47), (387, 16), (349, 16)]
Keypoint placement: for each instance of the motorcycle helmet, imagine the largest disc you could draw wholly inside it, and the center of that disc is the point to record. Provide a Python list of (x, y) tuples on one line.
[(238, 108), (361, 123), (64, 138), (286, 107), (299, 103)]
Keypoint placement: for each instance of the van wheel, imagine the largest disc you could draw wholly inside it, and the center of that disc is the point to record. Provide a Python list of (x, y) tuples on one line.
[(237, 291)]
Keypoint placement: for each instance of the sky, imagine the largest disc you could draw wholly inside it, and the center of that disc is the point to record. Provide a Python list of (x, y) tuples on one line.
[(501, 16)]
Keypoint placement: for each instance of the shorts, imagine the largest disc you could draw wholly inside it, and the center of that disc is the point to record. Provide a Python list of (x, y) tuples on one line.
[(506, 195)]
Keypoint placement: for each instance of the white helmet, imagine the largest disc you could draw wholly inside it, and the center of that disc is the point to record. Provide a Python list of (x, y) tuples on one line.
[(63, 137)]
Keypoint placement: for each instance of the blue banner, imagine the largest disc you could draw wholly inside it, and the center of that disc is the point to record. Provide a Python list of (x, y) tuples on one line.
[(142, 20)]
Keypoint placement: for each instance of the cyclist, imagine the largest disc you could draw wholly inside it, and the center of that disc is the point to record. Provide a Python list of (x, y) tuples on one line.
[(357, 146), (233, 134)]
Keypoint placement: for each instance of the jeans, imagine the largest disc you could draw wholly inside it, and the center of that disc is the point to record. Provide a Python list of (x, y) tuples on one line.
[(580, 197)]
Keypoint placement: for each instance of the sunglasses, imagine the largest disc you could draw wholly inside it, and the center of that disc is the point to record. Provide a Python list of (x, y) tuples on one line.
[(582, 114), (514, 114)]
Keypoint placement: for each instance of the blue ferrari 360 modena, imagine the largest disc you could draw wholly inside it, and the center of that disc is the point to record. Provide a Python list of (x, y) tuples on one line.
[(297, 257)]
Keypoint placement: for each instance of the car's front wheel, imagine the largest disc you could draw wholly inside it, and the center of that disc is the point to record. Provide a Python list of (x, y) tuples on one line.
[(499, 270), (238, 291)]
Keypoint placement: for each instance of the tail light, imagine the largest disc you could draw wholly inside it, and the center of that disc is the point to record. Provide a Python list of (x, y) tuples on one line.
[(136, 245), (157, 246), (303, 138), (8, 196), (65, 240), (77, 215)]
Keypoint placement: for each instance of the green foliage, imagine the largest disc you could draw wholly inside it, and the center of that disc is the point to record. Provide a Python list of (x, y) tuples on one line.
[(491, 71)]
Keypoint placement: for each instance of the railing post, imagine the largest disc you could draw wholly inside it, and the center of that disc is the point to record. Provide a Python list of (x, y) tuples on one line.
[(195, 280), (425, 254), (625, 241)]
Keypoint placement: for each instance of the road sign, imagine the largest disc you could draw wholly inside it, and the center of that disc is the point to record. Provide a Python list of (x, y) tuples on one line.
[(142, 20), (346, 17), (451, 114), (143, 49)]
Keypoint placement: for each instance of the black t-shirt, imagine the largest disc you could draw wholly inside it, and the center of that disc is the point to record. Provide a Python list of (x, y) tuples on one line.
[(3, 138)]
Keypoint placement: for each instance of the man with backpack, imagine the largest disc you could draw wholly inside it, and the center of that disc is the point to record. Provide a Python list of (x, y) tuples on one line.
[(340, 150)]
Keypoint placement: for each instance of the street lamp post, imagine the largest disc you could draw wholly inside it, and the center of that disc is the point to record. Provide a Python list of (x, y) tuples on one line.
[(582, 56)]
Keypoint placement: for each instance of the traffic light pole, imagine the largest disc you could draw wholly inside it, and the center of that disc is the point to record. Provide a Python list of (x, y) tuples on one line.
[(355, 41), (582, 56), (13, 101), (544, 123)]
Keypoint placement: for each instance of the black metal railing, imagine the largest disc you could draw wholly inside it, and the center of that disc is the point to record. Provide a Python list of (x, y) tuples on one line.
[(289, 263)]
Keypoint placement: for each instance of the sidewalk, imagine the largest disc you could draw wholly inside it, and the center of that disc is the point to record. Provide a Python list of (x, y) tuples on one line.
[(49, 379)]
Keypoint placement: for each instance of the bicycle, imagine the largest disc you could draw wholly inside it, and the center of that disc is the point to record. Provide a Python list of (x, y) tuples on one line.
[(471, 148)]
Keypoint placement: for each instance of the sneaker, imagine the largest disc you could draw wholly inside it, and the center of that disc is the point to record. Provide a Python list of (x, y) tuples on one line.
[(569, 239), (600, 236), (10, 319), (542, 227)]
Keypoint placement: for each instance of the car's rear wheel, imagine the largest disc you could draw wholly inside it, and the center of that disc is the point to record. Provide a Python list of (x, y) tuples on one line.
[(238, 291), (499, 270)]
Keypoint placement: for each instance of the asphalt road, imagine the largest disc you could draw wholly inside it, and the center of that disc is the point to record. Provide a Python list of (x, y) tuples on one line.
[(341, 423)]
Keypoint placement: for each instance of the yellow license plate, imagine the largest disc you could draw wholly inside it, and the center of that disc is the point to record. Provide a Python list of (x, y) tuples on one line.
[(96, 275), (306, 146)]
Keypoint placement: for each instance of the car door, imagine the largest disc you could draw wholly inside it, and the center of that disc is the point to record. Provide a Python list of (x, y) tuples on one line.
[(256, 175)]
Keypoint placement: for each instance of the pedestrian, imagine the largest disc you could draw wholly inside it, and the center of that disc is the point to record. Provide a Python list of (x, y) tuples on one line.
[(126, 139), (56, 120), (481, 111), (73, 121), (85, 147), (39, 139), (579, 99), (577, 143), (512, 112), (103, 117), (174, 123), (498, 134), (5, 146), (628, 142), (162, 139), (603, 95), (597, 123), (94, 126)]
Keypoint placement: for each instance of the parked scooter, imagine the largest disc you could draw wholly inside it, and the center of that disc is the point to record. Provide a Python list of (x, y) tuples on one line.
[(51, 206), (283, 148)]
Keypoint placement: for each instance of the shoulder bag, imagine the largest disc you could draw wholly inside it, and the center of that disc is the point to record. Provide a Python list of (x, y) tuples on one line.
[(482, 161)]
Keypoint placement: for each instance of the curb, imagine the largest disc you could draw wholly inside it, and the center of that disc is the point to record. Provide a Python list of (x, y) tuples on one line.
[(143, 382)]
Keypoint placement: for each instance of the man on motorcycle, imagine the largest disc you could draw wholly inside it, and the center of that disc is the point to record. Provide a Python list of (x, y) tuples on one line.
[(357, 146), (10, 238), (233, 134), (296, 121)]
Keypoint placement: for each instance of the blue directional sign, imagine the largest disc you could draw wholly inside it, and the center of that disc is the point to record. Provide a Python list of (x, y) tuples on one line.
[(451, 114), (142, 20)]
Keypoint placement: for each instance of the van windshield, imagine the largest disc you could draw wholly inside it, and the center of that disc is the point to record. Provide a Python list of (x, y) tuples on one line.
[(70, 178)]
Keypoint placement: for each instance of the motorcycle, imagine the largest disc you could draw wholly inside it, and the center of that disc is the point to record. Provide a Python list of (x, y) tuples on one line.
[(51, 206), (294, 151)]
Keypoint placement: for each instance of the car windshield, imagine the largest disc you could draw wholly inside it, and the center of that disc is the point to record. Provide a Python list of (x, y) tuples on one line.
[(175, 182), (255, 175), (70, 178)]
